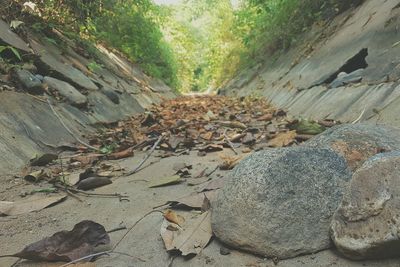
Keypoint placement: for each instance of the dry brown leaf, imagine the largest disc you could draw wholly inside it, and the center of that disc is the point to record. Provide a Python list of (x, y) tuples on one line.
[(192, 238), (207, 136), (173, 217), (266, 117), (233, 124), (229, 162), (67, 246), (282, 139), (121, 155), (33, 203)]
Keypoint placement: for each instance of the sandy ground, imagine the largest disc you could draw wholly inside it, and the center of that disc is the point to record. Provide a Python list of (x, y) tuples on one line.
[(143, 244)]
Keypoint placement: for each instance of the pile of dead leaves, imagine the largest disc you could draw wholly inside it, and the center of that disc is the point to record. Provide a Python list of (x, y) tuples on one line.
[(208, 124)]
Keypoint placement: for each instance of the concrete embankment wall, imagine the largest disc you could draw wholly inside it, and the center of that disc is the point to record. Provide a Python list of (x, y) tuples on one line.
[(346, 70), (82, 97)]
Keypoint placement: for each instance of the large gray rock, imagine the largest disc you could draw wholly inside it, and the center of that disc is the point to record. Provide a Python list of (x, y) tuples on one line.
[(73, 96), (358, 142), (367, 223), (279, 202)]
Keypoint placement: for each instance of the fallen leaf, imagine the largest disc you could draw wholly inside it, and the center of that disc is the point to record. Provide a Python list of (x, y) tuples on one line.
[(246, 150), (93, 182), (35, 176), (105, 174), (192, 238), (266, 117), (178, 166), (282, 139), (229, 162), (237, 137), (197, 181), (174, 141), (211, 148), (73, 178), (28, 205), (195, 200), (248, 139), (121, 155), (207, 136), (15, 24), (233, 124), (212, 185), (206, 204), (173, 217), (88, 159), (165, 181), (43, 159), (67, 246)]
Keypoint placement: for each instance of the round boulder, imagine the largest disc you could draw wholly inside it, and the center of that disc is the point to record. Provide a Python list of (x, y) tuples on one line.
[(280, 202), (358, 142), (367, 223)]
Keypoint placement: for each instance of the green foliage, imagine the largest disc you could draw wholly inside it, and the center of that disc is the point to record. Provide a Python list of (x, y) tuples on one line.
[(131, 26), (12, 49), (94, 66), (275, 25), (192, 46)]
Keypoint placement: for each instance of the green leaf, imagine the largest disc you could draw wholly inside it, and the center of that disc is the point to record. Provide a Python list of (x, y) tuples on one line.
[(16, 53), (108, 149), (2, 48)]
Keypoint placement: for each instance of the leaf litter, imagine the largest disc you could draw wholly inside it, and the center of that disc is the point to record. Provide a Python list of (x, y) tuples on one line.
[(206, 124)]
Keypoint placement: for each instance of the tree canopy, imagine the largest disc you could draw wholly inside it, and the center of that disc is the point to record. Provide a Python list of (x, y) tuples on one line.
[(194, 45)]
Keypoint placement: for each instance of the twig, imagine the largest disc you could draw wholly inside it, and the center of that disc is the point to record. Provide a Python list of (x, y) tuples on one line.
[(230, 143), (68, 130), (86, 257), (211, 172), (70, 188), (146, 157), (37, 98), (119, 228), (74, 195), (133, 226)]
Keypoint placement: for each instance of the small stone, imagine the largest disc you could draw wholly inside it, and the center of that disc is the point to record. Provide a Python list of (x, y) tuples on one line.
[(367, 222)]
